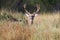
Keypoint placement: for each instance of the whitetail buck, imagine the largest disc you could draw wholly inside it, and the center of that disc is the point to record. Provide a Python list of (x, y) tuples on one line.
[(31, 15)]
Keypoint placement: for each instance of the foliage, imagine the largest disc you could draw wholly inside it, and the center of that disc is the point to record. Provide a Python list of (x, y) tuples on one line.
[(4, 16), (18, 4)]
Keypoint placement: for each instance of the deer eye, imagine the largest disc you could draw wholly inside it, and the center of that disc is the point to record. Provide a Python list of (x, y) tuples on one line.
[(32, 16)]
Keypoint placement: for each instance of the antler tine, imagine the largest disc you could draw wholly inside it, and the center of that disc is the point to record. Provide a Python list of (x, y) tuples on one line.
[(25, 9), (24, 5), (38, 7)]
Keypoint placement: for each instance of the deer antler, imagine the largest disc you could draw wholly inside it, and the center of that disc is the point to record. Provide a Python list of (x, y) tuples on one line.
[(25, 9), (38, 7)]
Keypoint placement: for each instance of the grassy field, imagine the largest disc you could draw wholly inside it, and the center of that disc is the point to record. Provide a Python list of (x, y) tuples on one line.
[(45, 27)]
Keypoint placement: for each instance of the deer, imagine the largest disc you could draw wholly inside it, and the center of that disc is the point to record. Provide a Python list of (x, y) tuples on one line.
[(31, 16)]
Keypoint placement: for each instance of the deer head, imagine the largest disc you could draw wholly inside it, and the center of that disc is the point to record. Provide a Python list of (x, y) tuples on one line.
[(31, 16)]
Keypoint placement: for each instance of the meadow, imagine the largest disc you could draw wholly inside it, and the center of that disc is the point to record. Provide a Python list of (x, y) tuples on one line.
[(46, 26)]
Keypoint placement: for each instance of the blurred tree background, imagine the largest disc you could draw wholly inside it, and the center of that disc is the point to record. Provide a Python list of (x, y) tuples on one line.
[(45, 5)]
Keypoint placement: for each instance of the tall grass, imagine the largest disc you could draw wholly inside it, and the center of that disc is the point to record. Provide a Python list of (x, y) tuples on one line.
[(45, 27)]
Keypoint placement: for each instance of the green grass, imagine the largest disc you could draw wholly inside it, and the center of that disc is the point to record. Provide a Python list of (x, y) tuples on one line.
[(45, 27)]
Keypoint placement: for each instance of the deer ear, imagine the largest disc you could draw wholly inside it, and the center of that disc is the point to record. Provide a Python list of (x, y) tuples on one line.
[(36, 14), (27, 14)]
